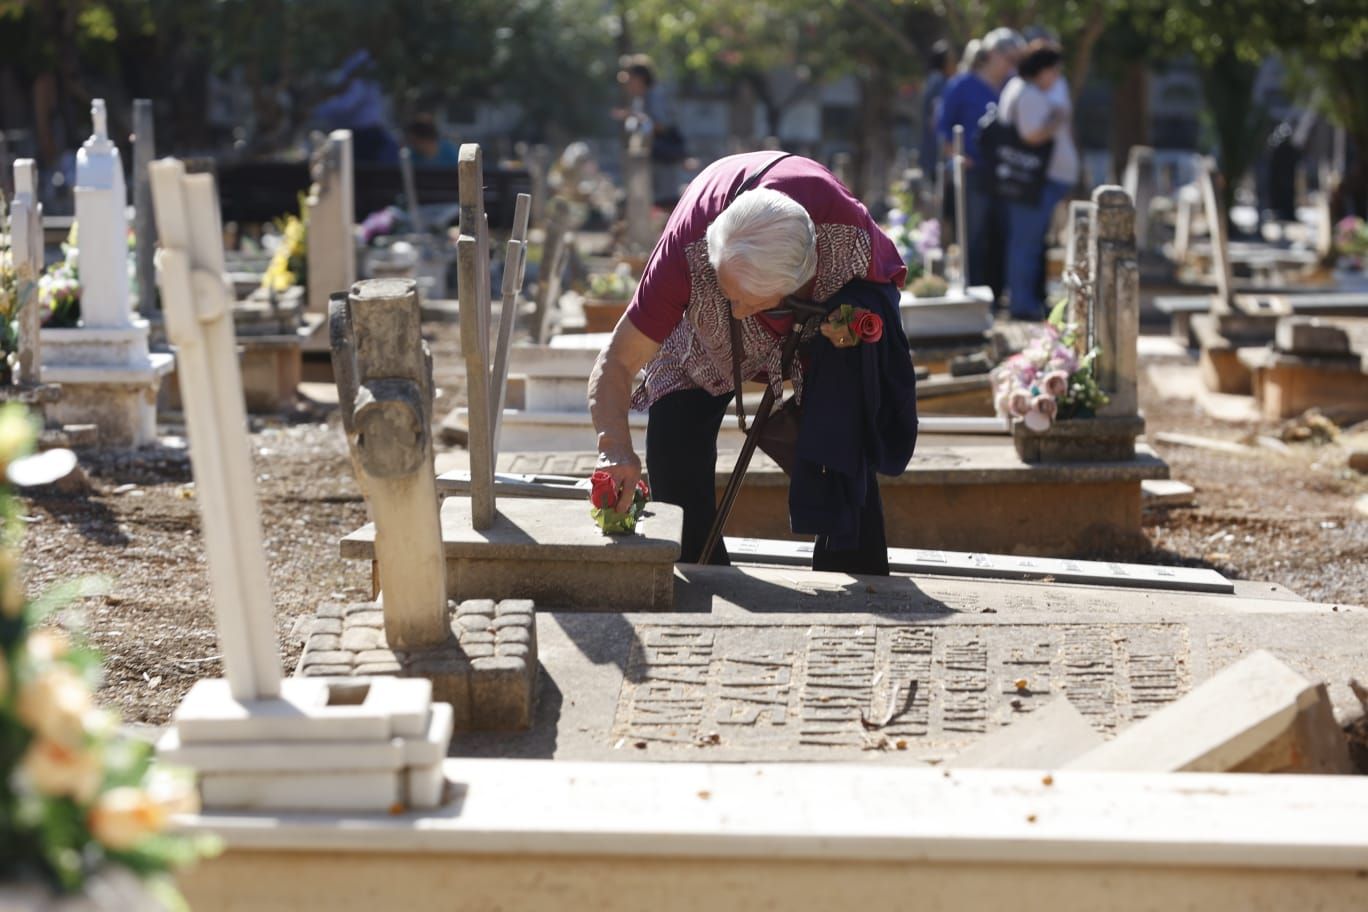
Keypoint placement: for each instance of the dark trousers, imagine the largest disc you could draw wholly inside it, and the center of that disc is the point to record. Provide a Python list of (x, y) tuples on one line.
[(681, 460)]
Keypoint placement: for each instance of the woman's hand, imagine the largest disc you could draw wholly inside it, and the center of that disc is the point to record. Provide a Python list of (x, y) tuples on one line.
[(610, 395), (625, 468)]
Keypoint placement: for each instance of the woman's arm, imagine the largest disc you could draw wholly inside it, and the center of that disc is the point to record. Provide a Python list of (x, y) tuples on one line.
[(1057, 118), (610, 395)]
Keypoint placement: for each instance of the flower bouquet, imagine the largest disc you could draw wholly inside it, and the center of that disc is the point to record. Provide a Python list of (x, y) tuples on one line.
[(607, 298), (59, 287), (915, 239), (1351, 241), (1048, 380), (289, 263), (603, 498), (849, 325), (81, 809)]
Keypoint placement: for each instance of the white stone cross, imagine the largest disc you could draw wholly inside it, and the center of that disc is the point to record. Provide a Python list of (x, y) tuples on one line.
[(101, 213), (26, 249), (485, 379), (199, 322)]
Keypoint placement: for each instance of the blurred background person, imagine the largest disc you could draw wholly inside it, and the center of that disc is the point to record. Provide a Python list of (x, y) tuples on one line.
[(650, 114), (429, 147), (1041, 114), (966, 99), (358, 104)]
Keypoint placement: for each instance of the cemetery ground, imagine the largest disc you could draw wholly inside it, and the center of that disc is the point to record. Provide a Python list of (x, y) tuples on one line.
[(1282, 516)]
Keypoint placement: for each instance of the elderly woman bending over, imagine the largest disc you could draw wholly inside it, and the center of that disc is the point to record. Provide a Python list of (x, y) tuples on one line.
[(796, 231)]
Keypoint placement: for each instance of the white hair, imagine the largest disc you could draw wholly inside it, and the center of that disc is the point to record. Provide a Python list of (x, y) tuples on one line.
[(1003, 39), (766, 240)]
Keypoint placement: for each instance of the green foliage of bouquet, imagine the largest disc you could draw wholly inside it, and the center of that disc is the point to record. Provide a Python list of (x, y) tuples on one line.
[(617, 285), (77, 799)]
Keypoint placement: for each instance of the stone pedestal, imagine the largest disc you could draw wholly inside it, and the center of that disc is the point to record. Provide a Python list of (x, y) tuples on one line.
[(1286, 385), (486, 670), (551, 551), (108, 379), (1099, 439)]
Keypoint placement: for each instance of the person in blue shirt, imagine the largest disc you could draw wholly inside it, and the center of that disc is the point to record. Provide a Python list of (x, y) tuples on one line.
[(429, 147), (966, 100), (358, 104)]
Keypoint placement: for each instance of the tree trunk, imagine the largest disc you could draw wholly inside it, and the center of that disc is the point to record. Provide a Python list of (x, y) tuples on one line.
[(1130, 114), (874, 137)]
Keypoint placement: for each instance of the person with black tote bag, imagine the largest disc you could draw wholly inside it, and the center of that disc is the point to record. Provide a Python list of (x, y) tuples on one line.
[(1040, 118)]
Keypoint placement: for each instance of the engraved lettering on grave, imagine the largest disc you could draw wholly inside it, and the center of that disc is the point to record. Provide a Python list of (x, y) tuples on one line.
[(840, 682), (847, 686)]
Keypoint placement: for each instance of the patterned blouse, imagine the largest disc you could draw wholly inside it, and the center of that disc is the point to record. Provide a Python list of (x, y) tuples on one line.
[(680, 304)]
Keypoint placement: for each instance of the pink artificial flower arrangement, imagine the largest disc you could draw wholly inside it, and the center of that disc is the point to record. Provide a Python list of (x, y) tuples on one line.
[(1047, 380)]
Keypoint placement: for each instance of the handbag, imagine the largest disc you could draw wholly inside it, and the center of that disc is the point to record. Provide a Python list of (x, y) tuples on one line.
[(1015, 169)]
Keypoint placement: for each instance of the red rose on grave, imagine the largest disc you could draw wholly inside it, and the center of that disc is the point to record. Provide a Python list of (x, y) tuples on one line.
[(603, 490), (867, 325)]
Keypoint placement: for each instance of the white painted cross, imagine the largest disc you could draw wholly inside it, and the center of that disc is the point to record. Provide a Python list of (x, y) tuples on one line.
[(485, 380), (199, 322)]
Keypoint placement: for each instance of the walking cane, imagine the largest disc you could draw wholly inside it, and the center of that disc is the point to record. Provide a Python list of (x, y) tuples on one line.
[(804, 315)]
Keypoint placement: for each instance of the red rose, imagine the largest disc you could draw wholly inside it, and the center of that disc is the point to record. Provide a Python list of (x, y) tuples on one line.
[(867, 325), (603, 490), (643, 490)]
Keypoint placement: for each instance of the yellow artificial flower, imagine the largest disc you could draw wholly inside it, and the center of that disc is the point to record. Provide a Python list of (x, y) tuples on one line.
[(56, 704), (59, 771), (124, 817), (17, 433)]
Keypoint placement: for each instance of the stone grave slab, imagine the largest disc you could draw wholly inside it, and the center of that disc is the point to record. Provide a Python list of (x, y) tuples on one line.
[(577, 565), (776, 665), (962, 492)]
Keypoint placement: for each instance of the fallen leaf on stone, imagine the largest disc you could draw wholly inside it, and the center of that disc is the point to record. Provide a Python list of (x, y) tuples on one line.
[(900, 744), (1030, 818), (709, 740), (705, 794), (1021, 684), (1047, 780), (640, 745)]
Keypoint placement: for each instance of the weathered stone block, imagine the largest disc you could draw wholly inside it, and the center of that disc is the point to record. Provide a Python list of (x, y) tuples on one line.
[(1099, 439), (1310, 336), (488, 676), (578, 567), (1046, 738), (1257, 715)]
